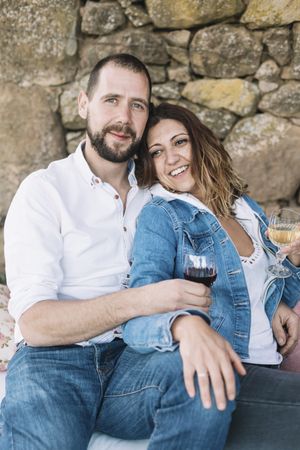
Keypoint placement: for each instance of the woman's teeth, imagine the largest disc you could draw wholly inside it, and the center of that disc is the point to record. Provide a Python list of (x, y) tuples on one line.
[(178, 171)]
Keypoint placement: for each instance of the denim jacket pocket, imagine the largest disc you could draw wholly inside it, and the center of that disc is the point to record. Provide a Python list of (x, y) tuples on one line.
[(198, 244), (216, 320)]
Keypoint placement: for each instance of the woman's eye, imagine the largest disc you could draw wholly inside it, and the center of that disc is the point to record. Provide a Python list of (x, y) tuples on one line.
[(155, 154), (181, 141)]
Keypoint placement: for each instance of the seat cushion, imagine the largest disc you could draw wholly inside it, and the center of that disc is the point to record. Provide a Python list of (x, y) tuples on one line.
[(101, 441)]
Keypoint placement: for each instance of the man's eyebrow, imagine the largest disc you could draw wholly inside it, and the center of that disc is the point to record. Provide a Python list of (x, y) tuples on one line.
[(111, 94)]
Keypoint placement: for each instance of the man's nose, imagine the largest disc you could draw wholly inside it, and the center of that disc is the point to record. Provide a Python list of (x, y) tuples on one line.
[(124, 115)]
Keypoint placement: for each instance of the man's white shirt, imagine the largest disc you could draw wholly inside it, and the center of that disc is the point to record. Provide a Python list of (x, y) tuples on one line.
[(67, 236)]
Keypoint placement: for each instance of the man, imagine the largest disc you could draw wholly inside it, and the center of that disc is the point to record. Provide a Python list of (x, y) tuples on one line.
[(68, 238)]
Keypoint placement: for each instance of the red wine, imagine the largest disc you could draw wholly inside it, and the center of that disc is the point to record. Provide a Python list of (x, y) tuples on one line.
[(205, 276)]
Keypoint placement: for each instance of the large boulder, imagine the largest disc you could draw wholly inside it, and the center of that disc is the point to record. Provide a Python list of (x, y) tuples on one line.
[(235, 95), (69, 106), (266, 13), (147, 46), (225, 51), (31, 136), (38, 41), (278, 43), (137, 15), (284, 102), (265, 152), (102, 18), (293, 71), (189, 13)]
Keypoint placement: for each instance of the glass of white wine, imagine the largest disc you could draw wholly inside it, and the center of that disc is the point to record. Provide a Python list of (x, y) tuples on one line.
[(284, 226)]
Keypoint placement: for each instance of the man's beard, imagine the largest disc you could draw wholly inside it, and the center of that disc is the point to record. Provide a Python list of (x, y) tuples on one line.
[(113, 154)]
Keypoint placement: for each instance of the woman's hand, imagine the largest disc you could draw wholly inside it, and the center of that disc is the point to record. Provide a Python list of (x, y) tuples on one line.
[(210, 356)]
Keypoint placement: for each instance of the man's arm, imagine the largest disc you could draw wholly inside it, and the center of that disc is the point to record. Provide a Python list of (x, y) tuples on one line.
[(154, 255), (285, 327), (62, 322)]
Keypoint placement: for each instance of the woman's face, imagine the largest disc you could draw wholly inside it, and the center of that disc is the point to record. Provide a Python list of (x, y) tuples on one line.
[(170, 148)]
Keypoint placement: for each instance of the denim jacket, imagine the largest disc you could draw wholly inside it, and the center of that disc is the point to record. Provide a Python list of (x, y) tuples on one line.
[(166, 231)]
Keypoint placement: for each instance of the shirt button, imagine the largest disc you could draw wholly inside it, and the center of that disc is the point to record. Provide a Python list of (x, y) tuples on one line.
[(116, 196), (124, 228), (97, 180)]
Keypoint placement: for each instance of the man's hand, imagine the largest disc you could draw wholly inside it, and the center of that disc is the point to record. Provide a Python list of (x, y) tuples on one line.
[(210, 356), (172, 295), (285, 327), (292, 251)]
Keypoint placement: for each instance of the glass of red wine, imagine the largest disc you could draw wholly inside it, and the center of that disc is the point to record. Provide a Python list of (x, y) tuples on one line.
[(200, 269)]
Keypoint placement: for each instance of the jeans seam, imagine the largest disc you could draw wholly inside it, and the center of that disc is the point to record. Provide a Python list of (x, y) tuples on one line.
[(97, 366), (134, 392), (268, 402)]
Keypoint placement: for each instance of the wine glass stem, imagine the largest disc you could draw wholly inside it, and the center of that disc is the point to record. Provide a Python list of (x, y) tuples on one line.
[(280, 257)]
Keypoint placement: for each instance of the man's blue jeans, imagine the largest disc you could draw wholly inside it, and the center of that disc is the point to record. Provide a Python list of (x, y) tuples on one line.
[(57, 397)]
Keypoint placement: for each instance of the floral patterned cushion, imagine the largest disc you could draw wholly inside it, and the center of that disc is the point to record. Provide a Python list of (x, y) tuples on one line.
[(7, 345)]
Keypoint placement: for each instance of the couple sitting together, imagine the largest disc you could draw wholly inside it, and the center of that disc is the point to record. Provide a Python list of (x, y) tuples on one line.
[(111, 337)]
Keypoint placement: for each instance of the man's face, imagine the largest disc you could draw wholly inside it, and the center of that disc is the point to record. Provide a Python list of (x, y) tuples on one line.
[(116, 113)]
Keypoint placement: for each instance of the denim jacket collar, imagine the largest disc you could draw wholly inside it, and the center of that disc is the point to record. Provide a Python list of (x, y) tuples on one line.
[(197, 207)]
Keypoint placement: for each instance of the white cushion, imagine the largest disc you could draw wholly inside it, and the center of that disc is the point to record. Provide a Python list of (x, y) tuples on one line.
[(98, 441), (101, 441)]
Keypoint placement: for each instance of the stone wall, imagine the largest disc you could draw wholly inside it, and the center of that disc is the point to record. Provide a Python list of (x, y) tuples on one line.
[(235, 63)]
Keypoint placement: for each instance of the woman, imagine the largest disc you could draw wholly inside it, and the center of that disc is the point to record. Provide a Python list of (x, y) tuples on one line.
[(200, 206)]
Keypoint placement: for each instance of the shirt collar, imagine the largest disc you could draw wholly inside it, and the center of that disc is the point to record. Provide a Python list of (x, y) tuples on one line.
[(131, 173), (89, 176)]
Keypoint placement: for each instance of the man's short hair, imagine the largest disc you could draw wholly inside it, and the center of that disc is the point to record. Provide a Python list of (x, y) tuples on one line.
[(125, 60)]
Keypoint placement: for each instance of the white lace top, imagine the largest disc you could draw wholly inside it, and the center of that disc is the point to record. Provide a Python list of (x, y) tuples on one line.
[(262, 345)]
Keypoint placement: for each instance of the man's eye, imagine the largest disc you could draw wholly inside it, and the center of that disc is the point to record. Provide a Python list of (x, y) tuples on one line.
[(138, 106), (111, 100), (155, 154)]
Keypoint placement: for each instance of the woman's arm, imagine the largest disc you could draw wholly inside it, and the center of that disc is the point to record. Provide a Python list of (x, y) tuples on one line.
[(154, 255)]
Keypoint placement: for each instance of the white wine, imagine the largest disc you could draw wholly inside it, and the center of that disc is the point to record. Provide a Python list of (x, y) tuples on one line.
[(297, 233), (283, 229), (282, 235)]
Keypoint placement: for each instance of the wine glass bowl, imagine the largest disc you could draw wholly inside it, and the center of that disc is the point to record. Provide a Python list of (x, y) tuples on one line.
[(200, 269), (283, 229)]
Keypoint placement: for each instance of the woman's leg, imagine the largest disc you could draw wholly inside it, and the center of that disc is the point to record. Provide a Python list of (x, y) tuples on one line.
[(267, 415)]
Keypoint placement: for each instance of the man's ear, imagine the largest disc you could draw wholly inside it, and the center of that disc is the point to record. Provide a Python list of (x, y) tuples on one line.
[(83, 102)]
